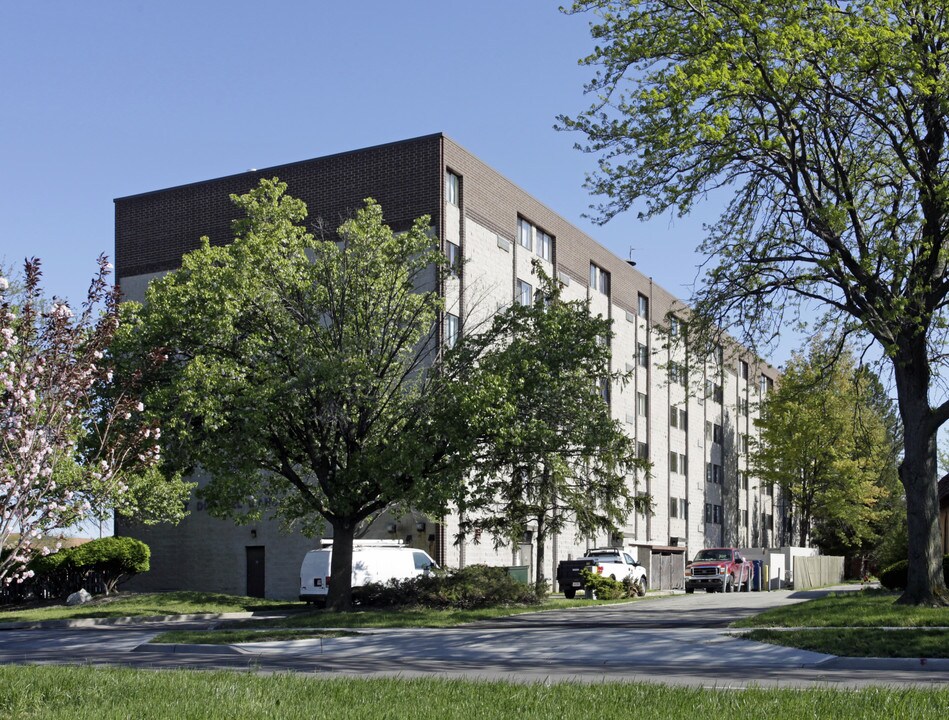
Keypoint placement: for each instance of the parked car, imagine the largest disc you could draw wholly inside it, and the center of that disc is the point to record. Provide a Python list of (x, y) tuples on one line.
[(612, 562), (373, 561), (718, 570)]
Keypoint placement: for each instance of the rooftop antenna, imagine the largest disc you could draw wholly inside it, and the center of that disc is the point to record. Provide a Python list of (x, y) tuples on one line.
[(631, 262)]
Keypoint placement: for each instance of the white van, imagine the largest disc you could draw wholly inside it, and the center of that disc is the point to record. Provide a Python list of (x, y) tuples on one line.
[(373, 561)]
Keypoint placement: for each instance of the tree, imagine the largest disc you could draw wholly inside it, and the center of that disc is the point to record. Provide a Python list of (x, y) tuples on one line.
[(550, 451), (826, 122), (305, 370), (826, 444), (69, 435)]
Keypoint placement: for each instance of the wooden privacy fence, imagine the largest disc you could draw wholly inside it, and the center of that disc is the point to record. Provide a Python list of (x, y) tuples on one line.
[(817, 571)]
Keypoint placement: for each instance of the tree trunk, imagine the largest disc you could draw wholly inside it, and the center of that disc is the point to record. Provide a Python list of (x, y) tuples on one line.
[(925, 584), (540, 582), (340, 597)]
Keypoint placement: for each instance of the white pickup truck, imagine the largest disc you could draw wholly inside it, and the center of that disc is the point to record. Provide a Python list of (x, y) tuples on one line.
[(613, 563)]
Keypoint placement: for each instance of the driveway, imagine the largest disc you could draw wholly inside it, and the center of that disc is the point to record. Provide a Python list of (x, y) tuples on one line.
[(678, 640)]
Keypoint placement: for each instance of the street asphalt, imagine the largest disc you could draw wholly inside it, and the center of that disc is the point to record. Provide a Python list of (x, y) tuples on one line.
[(682, 639)]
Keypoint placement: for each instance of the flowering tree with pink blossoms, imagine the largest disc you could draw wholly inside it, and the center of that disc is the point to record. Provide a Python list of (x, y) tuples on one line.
[(68, 436)]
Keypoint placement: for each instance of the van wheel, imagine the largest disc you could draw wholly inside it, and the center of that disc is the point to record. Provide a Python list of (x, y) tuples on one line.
[(570, 593), (689, 591)]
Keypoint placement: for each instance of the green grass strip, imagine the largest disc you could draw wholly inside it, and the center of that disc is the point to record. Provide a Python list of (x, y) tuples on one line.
[(861, 642), (868, 608), (83, 693), (148, 604)]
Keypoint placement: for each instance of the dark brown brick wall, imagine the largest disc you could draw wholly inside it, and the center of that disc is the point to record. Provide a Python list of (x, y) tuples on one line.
[(153, 230)]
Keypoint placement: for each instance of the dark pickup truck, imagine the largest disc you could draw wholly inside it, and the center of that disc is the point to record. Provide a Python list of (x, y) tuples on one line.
[(613, 563)]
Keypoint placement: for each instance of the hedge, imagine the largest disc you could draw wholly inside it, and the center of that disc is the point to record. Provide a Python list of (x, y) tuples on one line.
[(894, 576)]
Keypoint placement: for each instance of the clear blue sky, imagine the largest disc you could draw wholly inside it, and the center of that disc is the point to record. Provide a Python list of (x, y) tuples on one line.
[(105, 99)]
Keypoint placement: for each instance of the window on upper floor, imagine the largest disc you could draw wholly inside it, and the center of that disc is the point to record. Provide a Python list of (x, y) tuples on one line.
[(714, 391), (743, 369), (453, 253), (545, 245), (742, 406), (675, 326), (524, 293), (451, 330), (599, 279), (452, 194), (677, 374), (525, 234), (642, 450), (643, 306), (743, 479), (708, 512), (642, 355), (673, 507), (717, 514), (603, 388), (642, 404), (743, 444), (683, 508)]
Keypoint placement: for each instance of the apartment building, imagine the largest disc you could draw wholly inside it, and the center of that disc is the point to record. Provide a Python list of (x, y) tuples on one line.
[(697, 442)]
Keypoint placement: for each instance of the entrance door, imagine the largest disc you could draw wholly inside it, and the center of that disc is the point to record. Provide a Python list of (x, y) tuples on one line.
[(255, 571)]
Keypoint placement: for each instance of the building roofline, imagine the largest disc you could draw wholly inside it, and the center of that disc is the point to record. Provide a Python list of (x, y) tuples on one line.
[(406, 141)]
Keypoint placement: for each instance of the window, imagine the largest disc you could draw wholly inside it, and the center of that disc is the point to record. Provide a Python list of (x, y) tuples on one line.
[(603, 386), (677, 418), (675, 327), (713, 432), (714, 390), (642, 355), (642, 450), (768, 521), (599, 279), (742, 369), (673, 507), (673, 462), (451, 330), (743, 479), (708, 512), (683, 508), (642, 404), (717, 354), (453, 253), (713, 473), (451, 188), (744, 518), (683, 463), (643, 306), (767, 385), (743, 406), (717, 514), (524, 293), (743, 444), (524, 234), (677, 374), (545, 245), (769, 489)]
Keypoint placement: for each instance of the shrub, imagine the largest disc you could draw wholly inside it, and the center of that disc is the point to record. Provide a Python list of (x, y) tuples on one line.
[(109, 561), (894, 577), (603, 588), (475, 586)]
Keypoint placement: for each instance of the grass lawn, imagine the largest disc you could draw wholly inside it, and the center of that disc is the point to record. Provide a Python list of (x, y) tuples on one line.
[(861, 642), (848, 624), (145, 604), (867, 608), (182, 603), (83, 693)]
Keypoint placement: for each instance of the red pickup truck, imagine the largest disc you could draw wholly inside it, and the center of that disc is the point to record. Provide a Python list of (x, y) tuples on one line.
[(718, 570)]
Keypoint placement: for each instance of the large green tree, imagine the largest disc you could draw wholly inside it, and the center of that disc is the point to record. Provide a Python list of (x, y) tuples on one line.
[(304, 370), (827, 445), (550, 452), (826, 123)]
